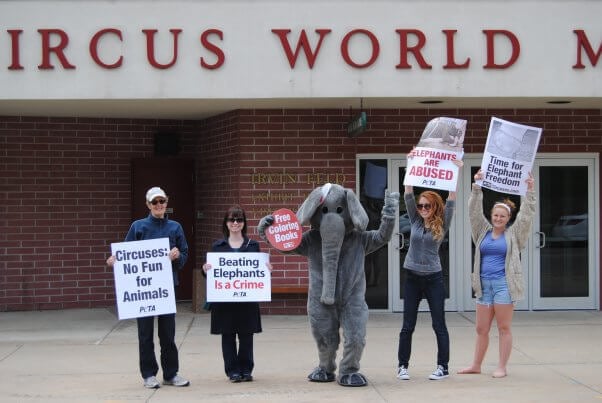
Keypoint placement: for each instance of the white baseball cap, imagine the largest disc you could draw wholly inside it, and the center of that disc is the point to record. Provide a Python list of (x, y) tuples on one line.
[(155, 192)]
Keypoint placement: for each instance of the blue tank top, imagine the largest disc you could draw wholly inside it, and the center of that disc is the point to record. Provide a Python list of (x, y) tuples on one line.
[(493, 257)]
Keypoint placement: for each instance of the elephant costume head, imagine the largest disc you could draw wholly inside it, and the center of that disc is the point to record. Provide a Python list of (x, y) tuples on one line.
[(333, 211)]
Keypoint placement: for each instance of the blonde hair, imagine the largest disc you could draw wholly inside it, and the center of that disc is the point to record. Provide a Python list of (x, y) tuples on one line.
[(507, 204), (435, 221)]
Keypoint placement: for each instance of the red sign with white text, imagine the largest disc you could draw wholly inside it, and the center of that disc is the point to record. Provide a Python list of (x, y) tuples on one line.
[(285, 232)]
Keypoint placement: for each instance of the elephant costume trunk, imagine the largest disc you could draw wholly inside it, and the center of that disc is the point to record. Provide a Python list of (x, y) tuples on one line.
[(332, 229)]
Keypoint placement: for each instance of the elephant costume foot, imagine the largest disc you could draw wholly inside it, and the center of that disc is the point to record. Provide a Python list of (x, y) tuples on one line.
[(355, 379), (320, 375)]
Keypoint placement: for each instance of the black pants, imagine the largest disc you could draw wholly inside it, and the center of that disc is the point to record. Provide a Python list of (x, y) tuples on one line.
[(238, 361), (432, 288), (169, 351)]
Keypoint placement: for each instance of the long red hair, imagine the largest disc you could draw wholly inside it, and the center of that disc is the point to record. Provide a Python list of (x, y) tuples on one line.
[(435, 221)]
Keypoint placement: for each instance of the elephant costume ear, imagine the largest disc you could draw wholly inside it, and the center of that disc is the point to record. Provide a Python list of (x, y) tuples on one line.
[(358, 215), (309, 206)]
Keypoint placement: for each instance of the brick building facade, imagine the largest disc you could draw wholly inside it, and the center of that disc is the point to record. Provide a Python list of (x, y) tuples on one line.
[(67, 183)]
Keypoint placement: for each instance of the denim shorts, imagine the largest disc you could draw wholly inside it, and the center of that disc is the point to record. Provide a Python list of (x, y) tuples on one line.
[(494, 292)]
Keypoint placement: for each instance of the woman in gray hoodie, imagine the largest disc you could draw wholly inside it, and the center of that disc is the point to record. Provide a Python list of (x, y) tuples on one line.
[(430, 220)]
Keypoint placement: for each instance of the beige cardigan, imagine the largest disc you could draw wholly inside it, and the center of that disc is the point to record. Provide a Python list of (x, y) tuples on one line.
[(516, 236)]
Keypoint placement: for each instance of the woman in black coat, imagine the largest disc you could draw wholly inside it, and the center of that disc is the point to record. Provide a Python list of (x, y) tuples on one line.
[(236, 318)]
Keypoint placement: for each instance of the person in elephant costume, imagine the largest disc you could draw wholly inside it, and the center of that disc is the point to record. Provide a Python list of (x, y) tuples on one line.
[(336, 246)]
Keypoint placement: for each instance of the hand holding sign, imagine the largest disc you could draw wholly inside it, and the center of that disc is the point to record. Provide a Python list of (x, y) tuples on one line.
[(285, 232), (143, 278), (435, 162)]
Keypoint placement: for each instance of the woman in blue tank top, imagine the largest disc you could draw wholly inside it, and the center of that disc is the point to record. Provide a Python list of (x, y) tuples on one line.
[(497, 279)]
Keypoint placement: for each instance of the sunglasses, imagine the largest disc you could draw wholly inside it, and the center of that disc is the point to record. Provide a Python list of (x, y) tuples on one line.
[(239, 220), (158, 201), (425, 206)]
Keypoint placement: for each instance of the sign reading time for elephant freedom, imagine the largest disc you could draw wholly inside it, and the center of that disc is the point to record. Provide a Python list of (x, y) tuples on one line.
[(143, 278), (430, 163), (285, 232), (509, 155), (238, 277)]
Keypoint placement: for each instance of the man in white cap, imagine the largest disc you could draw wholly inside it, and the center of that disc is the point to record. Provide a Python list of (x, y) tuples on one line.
[(156, 225)]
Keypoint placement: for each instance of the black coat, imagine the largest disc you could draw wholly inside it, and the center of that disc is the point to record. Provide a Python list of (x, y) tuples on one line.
[(235, 317)]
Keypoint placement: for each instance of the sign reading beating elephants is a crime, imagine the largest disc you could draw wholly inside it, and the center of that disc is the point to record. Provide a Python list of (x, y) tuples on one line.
[(143, 278), (238, 277)]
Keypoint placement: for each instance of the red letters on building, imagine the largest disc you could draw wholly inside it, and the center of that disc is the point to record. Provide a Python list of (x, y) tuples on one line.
[(449, 40), (212, 48), (404, 48), (150, 48), (345, 48), (302, 43), (58, 50), (411, 42), (491, 34), (14, 46), (94, 48), (583, 44)]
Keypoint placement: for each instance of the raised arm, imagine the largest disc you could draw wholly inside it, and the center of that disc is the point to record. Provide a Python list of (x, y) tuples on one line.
[(452, 195), (478, 222), (524, 218)]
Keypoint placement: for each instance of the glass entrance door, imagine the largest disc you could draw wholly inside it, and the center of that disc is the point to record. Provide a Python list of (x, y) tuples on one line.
[(401, 243), (564, 262), (561, 260)]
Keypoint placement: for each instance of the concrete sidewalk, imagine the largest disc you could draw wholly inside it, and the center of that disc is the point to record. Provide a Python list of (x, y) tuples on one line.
[(90, 356)]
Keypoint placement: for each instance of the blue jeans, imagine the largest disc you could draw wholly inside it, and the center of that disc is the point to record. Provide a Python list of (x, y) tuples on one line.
[(430, 287)]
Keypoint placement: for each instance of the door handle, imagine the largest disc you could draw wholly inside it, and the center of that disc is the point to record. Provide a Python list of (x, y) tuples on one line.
[(402, 240), (542, 240)]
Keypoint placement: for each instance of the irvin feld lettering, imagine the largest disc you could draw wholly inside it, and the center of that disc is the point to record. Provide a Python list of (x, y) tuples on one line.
[(55, 42)]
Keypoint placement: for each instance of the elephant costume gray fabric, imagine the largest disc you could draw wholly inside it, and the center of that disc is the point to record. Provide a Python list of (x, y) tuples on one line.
[(336, 246)]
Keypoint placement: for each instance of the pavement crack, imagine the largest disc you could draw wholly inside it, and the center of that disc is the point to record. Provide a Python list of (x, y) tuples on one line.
[(104, 337), (13, 351)]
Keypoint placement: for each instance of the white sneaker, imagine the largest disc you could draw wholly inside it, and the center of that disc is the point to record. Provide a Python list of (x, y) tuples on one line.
[(402, 373), (177, 381), (151, 382), (439, 373)]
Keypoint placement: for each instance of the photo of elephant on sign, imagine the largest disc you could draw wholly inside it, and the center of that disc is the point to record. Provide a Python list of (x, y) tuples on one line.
[(336, 246)]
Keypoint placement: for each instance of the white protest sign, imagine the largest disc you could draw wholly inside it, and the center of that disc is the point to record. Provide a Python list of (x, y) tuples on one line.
[(238, 277), (143, 278), (509, 155), (430, 164), (431, 168)]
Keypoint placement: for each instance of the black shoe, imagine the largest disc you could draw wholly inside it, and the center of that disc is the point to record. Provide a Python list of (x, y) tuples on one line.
[(247, 377), (235, 378)]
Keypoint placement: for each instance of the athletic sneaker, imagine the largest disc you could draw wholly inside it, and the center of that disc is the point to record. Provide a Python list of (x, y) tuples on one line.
[(151, 382), (402, 373), (439, 373), (177, 381)]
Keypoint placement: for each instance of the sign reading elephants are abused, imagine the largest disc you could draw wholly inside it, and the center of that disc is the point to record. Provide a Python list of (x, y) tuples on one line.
[(238, 277), (143, 278), (431, 162), (285, 233), (509, 155)]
